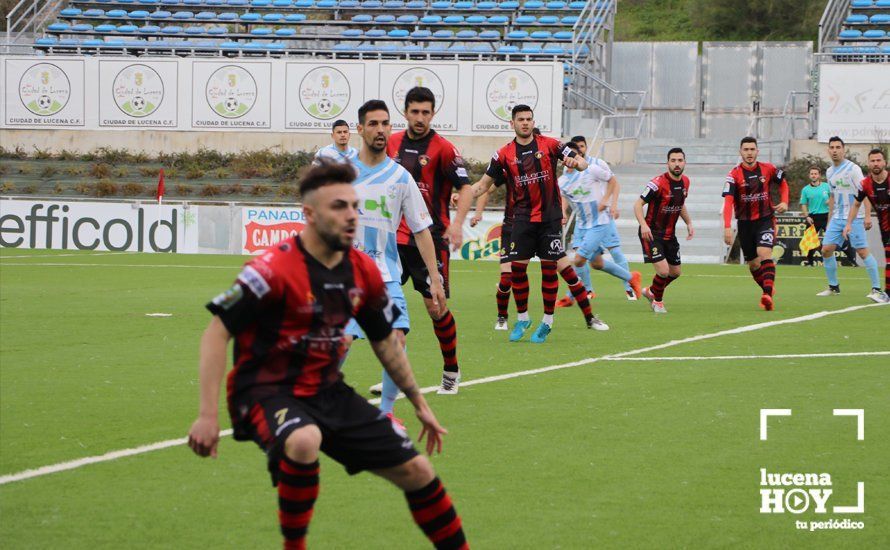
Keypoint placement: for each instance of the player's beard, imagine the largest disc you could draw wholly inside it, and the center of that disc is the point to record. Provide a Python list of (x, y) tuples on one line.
[(336, 241), (372, 145), (677, 172)]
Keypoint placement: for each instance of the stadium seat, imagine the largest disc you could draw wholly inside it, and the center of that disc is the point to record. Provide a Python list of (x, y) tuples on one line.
[(577, 5), (362, 18), (882, 4), (548, 20), (562, 35), (439, 5), (171, 29), (217, 31), (192, 2), (490, 35), (92, 42), (569, 20), (861, 3), (282, 3), (394, 5), (228, 16), (480, 48), (58, 27), (148, 2), (170, 2), (205, 16), (94, 13), (183, 15), (239, 3), (261, 31), (214, 2), (261, 3), (874, 34), (69, 42), (531, 48), (105, 28), (498, 20), (436, 47), (352, 33), (463, 5), (114, 43), (453, 19), (375, 33), (149, 29), (273, 17), (475, 20), (486, 5), (285, 32), (556, 5), (444, 33), (160, 14), (47, 41), (115, 14), (508, 49), (510, 5), (850, 33), (372, 4), (195, 30), (250, 17), (885, 49), (465, 34), (422, 33), (540, 35), (457, 48), (398, 33), (139, 14), (517, 35), (82, 27), (70, 12), (553, 49), (416, 4), (525, 20), (295, 17), (855, 18), (533, 5), (431, 19), (230, 46), (385, 18), (880, 19), (349, 4), (127, 29), (303, 3), (407, 19), (326, 4)]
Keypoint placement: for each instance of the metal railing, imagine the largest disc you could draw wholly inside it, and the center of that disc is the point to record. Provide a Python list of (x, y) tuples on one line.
[(598, 134), (830, 23), (788, 116), (29, 15)]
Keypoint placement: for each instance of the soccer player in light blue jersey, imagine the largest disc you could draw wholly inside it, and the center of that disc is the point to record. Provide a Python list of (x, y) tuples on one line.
[(339, 150), (845, 177), (386, 192)]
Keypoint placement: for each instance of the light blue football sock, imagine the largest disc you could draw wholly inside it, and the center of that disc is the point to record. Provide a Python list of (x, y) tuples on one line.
[(584, 274), (830, 264), (871, 266), (389, 393), (615, 270), (621, 260)]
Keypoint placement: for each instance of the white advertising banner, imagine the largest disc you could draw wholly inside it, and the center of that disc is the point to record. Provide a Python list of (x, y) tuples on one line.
[(42, 92), (117, 227), (230, 95), (317, 95), (275, 95), (443, 80), (139, 95), (262, 227), (482, 242), (854, 102)]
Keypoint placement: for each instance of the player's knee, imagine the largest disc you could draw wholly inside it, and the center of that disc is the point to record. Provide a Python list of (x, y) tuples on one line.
[(416, 473), (863, 253), (579, 260), (302, 445), (597, 263), (662, 271), (827, 251)]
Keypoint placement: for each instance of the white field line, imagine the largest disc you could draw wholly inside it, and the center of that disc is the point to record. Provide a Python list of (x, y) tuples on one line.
[(729, 357), (4, 256), (114, 455)]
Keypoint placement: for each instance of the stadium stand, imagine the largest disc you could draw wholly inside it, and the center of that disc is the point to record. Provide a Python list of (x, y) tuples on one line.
[(857, 30)]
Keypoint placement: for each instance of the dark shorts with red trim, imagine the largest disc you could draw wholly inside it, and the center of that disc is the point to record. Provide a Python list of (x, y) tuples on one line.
[(413, 268), (755, 234), (506, 231), (355, 433), (657, 250), (541, 239)]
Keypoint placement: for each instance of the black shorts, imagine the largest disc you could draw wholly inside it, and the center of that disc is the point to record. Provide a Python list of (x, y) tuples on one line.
[(541, 239), (413, 268), (820, 221), (504, 255), (756, 234), (355, 433), (657, 250)]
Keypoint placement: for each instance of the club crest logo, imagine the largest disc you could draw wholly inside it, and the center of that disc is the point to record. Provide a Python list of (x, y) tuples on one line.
[(417, 77), (539, 155), (324, 93), (423, 160), (138, 90), (44, 89), (231, 91), (509, 88), (355, 297)]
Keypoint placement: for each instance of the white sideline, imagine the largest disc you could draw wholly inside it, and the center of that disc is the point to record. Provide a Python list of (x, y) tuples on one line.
[(113, 455), (729, 357)]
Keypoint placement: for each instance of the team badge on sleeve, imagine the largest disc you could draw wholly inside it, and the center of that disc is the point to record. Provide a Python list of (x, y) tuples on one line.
[(229, 298), (254, 281)]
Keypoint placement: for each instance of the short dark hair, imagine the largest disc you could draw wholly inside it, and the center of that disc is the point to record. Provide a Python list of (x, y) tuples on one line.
[(748, 139), (371, 105), (836, 138), (877, 151), (815, 167), (676, 150), (339, 122), (521, 108), (419, 94), (573, 146), (579, 139), (323, 173)]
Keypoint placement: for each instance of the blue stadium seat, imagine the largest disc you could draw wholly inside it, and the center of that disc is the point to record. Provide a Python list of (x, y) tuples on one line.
[(436, 47), (239, 3), (540, 35), (867, 49), (407, 19), (386, 18), (126, 1), (295, 17), (47, 41), (282, 3), (475, 20), (195, 30), (498, 20), (422, 33), (230, 46), (94, 13), (850, 33), (855, 18), (533, 5), (70, 12), (214, 2), (114, 43), (444, 33), (250, 17), (463, 5), (548, 20), (261, 3), (556, 5), (227, 16), (882, 4), (149, 29), (394, 4), (349, 4), (431, 19), (453, 19), (486, 5), (183, 15), (562, 35), (344, 47), (148, 2), (139, 14), (274, 46), (171, 29), (466, 33), (192, 2), (480, 48), (82, 27), (273, 17), (303, 3), (885, 49), (160, 14), (217, 31), (398, 33), (490, 35), (92, 42), (874, 34), (362, 18), (115, 14), (415, 4), (508, 49), (326, 4), (412, 48), (577, 5), (127, 29), (372, 4), (375, 33), (205, 16), (861, 3), (352, 33), (170, 2), (553, 49), (509, 5), (880, 18), (285, 32), (105, 28), (517, 35), (58, 27), (440, 5), (457, 48), (525, 20), (531, 48), (261, 31), (569, 20)]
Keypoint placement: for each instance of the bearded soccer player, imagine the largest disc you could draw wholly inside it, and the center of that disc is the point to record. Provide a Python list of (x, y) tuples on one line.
[(845, 176), (665, 196), (876, 189), (339, 150), (386, 192), (437, 167), (747, 194), (287, 311), (528, 166)]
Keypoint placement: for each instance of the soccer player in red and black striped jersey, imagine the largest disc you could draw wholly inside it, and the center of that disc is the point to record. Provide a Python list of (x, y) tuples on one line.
[(876, 188), (747, 194), (437, 167), (287, 312), (528, 165), (665, 196)]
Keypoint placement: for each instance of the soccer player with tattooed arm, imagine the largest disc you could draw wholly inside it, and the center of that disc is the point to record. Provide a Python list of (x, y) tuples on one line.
[(287, 312), (876, 188)]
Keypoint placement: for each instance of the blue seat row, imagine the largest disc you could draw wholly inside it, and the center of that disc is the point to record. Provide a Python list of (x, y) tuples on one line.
[(465, 34), (874, 34), (861, 50), (859, 19), (162, 44), (356, 4), (870, 4)]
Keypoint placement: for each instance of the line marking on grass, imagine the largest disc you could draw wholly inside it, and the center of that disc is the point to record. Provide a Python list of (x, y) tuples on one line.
[(729, 357), (4, 256), (114, 455)]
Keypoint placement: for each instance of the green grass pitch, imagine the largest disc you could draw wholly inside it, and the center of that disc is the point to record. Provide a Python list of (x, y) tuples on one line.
[(617, 454)]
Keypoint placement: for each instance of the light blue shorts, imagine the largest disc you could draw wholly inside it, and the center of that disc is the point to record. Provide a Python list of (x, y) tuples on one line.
[(594, 241), (398, 297), (834, 233)]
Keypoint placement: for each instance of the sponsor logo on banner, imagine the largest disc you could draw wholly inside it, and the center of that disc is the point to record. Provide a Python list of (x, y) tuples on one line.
[(44, 89), (138, 90), (413, 78), (484, 242), (231, 91), (265, 227), (97, 226), (324, 93), (509, 88)]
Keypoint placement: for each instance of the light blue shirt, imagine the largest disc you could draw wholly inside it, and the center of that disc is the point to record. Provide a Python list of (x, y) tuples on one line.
[(585, 190), (846, 182), (332, 152)]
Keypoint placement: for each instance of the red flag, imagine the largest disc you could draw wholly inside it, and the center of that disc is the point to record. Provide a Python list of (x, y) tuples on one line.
[(160, 193)]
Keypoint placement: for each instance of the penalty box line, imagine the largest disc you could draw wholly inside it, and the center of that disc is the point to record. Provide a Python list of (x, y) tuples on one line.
[(114, 455), (730, 357)]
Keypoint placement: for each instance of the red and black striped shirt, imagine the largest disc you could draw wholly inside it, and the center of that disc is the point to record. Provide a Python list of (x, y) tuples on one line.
[(750, 190), (530, 173), (879, 196), (437, 167), (665, 198), (287, 313)]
